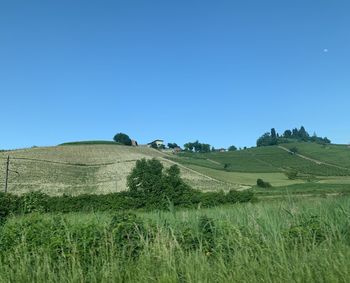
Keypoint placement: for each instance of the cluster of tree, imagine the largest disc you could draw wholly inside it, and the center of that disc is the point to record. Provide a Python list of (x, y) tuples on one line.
[(172, 145), (197, 146), (122, 139), (232, 148), (273, 138)]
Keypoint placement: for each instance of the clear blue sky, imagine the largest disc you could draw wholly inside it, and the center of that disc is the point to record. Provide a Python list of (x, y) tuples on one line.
[(223, 72)]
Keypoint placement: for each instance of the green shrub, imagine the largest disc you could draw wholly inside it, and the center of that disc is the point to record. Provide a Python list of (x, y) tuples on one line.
[(34, 230), (129, 234), (8, 204), (186, 237), (310, 231), (291, 174), (262, 184), (234, 196), (35, 202), (207, 231)]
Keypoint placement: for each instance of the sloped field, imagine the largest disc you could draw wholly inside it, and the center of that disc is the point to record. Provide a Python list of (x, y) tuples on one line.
[(79, 169)]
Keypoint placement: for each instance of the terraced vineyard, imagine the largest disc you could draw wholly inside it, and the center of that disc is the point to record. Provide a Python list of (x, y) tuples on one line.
[(338, 155), (99, 168), (78, 169), (328, 164)]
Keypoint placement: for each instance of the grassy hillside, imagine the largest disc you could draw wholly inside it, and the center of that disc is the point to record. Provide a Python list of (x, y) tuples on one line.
[(77, 169), (98, 167), (328, 164), (338, 155), (274, 159)]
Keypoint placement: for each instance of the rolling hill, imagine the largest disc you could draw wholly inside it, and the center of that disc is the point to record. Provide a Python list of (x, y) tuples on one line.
[(85, 168), (328, 164), (98, 167)]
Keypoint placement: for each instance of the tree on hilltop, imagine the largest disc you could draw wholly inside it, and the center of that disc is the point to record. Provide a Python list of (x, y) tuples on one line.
[(122, 139), (172, 145)]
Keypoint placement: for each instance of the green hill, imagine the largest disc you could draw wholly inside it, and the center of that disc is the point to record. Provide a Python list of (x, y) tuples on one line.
[(100, 167), (330, 163)]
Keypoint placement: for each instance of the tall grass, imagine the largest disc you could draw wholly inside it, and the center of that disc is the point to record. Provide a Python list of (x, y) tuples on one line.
[(284, 241)]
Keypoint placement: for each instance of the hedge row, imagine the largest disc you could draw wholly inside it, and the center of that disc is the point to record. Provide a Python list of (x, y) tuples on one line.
[(40, 202)]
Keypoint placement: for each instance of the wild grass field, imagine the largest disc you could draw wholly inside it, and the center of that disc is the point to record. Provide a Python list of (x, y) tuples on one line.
[(290, 240)]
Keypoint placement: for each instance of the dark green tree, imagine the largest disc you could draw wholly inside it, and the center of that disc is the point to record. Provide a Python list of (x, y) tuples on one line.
[(287, 134), (145, 177), (122, 139), (303, 134), (273, 137), (295, 133), (205, 147), (264, 140), (232, 148), (172, 145), (156, 186)]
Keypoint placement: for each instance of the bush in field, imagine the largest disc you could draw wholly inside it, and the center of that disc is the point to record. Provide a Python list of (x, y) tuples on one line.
[(291, 174), (187, 239), (262, 184), (207, 230), (4, 208), (33, 229), (310, 231), (35, 202), (8, 204), (293, 150), (234, 196), (128, 234)]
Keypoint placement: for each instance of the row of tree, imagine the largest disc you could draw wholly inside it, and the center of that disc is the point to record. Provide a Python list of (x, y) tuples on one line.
[(197, 146), (203, 147), (274, 138)]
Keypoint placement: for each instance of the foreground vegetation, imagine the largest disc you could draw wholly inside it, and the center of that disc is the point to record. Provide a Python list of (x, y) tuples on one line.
[(288, 241)]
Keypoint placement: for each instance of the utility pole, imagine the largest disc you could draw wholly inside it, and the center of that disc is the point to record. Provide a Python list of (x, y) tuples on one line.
[(7, 172)]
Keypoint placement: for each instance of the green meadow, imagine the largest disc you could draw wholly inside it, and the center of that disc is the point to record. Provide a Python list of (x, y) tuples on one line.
[(289, 240)]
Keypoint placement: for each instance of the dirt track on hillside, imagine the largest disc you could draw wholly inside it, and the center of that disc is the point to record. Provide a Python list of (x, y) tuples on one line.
[(318, 162)]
